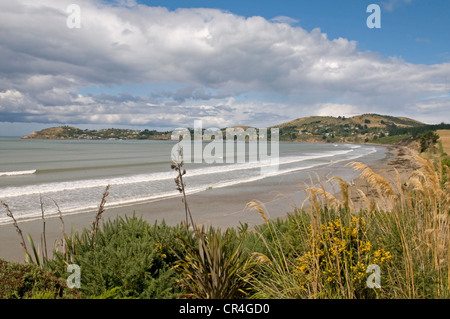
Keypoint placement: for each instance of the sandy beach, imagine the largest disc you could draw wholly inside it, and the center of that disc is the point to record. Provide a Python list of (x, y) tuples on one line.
[(221, 207), (400, 159)]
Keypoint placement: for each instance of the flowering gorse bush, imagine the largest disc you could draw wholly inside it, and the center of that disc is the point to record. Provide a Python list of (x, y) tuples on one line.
[(338, 257)]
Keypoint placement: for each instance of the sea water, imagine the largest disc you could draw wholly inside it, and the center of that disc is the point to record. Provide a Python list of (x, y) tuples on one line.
[(74, 173)]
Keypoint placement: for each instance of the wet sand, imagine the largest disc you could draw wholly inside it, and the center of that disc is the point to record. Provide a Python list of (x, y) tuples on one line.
[(221, 207)]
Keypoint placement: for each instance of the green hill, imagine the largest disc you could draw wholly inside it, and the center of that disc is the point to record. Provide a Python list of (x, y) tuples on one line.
[(357, 129), (69, 132)]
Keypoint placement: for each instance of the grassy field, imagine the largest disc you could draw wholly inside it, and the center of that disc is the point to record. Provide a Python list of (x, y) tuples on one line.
[(445, 140), (389, 140)]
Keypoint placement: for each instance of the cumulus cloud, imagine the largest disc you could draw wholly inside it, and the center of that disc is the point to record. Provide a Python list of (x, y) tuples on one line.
[(196, 63)]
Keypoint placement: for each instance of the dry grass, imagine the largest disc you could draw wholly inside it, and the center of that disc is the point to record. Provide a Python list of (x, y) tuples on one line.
[(406, 224), (445, 139), (19, 231), (418, 210), (100, 211), (40, 259)]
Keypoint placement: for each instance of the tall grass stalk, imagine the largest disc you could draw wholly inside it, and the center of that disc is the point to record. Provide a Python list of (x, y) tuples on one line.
[(43, 236), (101, 210), (16, 225), (404, 229), (177, 165), (274, 278), (419, 216), (210, 269), (68, 243)]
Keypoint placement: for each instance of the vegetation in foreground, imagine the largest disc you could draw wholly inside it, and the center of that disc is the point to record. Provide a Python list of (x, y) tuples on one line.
[(328, 250), (18, 281)]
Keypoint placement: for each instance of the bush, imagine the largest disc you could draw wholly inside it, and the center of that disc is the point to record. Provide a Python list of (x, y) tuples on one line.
[(127, 253), (19, 281), (214, 265), (338, 257), (427, 140)]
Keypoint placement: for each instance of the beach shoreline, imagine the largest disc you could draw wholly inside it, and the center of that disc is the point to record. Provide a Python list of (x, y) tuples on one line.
[(400, 160), (221, 207)]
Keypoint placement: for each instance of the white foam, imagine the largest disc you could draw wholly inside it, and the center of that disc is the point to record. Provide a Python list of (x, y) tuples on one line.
[(132, 191), (47, 188), (16, 173)]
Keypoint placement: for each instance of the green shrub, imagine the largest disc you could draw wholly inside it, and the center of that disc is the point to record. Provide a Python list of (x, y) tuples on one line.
[(18, 281), (127, 253), (428, 140), (214, 265)]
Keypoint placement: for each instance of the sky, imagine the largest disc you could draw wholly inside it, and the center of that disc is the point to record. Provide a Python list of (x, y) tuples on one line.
[(162, 64)]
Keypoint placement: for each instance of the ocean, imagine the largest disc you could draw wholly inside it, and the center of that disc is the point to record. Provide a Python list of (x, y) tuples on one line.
[(74, 173)]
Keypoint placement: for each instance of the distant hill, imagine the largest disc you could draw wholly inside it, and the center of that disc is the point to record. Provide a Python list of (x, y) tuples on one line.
[(357, 129), (366, 128), (69, 132)]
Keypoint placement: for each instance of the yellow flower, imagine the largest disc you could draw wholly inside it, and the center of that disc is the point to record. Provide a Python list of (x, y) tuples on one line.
[(381, 255), (332, 246), (366, 246)]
